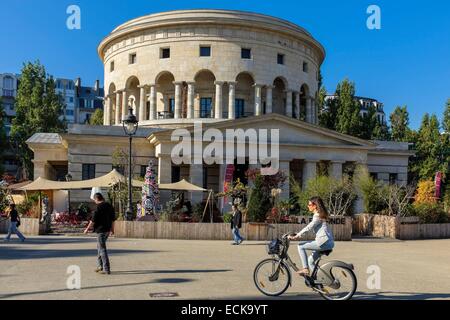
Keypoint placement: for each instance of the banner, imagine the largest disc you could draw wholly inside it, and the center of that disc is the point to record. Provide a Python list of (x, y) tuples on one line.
[(438, 183)]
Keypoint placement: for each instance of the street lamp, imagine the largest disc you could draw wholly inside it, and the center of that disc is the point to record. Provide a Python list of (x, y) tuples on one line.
[(130, 126), (68, 179)]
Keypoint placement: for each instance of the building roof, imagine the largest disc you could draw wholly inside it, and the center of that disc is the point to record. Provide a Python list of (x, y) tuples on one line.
[(45, 138), (79, 129)]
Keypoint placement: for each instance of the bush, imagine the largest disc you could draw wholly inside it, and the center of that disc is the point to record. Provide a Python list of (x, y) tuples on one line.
[(431, 213), (370, 191), (426, 192), (337, 194), (227, 217), (259, 203)]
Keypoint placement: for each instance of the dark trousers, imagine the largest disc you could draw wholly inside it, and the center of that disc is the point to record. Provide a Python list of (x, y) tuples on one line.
[(102, 258)]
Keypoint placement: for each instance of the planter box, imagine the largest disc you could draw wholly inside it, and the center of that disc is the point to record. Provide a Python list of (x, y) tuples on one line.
[(406, 228), (28, 226), (342, 230)]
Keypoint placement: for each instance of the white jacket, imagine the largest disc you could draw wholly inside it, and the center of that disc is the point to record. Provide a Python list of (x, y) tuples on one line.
[(320, 228)]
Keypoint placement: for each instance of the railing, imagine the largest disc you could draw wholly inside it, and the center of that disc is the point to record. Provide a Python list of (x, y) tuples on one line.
[(8, 93), (165, 115)]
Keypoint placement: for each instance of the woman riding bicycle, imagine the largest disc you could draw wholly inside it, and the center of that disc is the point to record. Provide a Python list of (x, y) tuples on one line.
[(324, 237)]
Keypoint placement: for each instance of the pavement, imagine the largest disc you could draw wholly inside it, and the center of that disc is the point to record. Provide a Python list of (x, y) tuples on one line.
[(38, 269)]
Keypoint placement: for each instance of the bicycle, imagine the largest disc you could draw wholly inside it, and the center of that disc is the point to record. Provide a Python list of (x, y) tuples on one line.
[(327, 280)]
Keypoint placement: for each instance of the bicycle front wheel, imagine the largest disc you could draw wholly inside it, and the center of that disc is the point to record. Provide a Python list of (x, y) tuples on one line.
[(272, 277)]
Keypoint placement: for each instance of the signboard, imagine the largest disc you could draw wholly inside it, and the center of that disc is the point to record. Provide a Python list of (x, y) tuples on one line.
[(438, 184)]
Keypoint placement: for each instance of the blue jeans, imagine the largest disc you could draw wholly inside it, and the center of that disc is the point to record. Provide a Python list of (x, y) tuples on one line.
[(236, 235), (102, 257), (13, 229), (315, 248)]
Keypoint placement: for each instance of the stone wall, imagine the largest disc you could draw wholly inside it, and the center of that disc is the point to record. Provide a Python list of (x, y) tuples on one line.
[(29, 227)]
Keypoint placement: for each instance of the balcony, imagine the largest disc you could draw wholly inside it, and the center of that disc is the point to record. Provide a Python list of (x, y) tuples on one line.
[(8, 93)]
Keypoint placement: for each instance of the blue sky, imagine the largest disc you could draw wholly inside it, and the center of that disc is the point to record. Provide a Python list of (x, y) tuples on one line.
[(407, 62)]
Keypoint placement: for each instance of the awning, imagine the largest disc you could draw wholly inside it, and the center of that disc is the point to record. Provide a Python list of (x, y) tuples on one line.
[(112, 178), (183, 185)]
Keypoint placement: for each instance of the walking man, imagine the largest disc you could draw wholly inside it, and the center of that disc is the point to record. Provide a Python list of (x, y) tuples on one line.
[(236, 224), (103, 224), (14, 223)]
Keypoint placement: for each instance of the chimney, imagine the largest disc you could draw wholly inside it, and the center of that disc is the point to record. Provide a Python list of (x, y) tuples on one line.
[(97, 87)]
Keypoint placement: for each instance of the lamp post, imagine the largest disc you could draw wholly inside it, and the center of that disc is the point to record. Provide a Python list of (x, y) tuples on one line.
[(68, 179), (130, 126)]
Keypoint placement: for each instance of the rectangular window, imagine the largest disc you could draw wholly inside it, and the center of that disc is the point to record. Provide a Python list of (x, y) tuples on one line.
[(239, 108), (205, 51), (374, 176), (305, 67), (81, 102), (205, 107), (111, 68), (119, 168), (393, 177), (246, 53), (133, 58), (143, 171), (172, 106), (88, 171), (176, 174), (165, 53), (280, 58)]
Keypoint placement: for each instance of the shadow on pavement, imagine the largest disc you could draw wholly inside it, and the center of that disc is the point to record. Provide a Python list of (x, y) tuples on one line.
[(20, 294), (134, 272), (15, 253)]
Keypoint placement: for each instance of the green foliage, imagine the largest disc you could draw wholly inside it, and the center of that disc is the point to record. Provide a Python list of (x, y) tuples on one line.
[(328, 110), (97, 118), (370, 191), (446, 199), (259, 203), (348, 113), (338, 194), (426, 192), (4, 199), (227, 217), (400, 124), (431, 213), (38, 109)]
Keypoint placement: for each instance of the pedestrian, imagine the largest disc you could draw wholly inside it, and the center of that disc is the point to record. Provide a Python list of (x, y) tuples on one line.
[(324, 236), (103, 224), (236, 224), (14, 222)]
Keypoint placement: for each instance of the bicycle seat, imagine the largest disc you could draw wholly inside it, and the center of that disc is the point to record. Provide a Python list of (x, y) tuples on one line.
[(326, 252)]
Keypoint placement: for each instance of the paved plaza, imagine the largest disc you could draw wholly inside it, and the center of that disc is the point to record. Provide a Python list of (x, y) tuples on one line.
[(37, 269)]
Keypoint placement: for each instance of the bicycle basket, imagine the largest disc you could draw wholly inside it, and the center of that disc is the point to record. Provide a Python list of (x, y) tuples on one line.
[(274, 247)]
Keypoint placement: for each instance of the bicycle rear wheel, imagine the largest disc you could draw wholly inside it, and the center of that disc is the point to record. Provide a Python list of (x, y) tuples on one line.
[(343, 287), (271, 277)]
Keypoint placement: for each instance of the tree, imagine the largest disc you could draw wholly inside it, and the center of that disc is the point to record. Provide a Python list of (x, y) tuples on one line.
[(348, 109), (38, 109), (97, 118), (328, 110), (368, 122), (259, 203), (380, 132), (429, 149), (400, 124), (446, 140), (3, 138)]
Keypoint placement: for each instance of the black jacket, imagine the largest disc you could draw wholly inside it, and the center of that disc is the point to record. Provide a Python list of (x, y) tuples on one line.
[(237, 220), (103, 218)]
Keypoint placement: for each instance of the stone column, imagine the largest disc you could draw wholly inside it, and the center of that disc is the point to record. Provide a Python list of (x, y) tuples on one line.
[(124, 104), (269, 99), (164, 176), (309, 171), (297, 105), (285, 190), (190, 100), (289, 103), (232, 100), (313, 110), (196, 177), (177, 100), (142, 104), (258, 100), (218, 111), (109, 107), (118, 117), (152, 115), (336, 169), (105, 110)]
